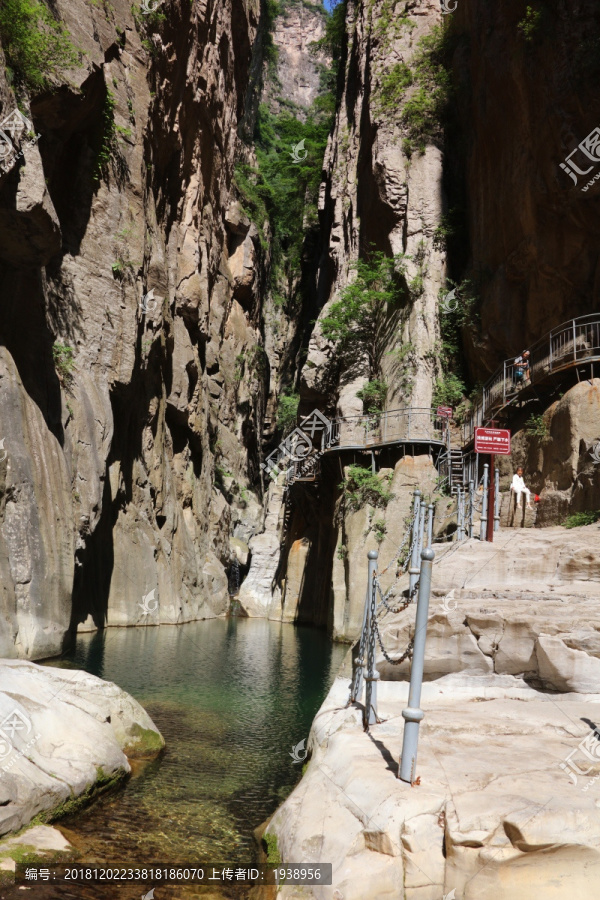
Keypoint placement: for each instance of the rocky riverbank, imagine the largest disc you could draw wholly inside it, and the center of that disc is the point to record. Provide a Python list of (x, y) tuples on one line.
[(65, 737)]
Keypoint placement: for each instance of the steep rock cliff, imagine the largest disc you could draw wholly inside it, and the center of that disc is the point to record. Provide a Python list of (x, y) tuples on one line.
[(129, 427)]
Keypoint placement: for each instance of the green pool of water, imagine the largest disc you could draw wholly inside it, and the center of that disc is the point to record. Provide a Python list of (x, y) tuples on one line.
[(231, 698)]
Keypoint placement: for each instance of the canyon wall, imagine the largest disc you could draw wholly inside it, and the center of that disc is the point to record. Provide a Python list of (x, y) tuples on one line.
[(129, 427)]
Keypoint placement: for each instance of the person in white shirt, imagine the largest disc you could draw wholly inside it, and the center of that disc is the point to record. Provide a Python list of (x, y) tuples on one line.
[(518, 486)]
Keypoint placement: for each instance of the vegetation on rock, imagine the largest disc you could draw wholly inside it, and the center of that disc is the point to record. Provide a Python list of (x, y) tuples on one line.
[(373, 395), (361, 487), (37, 47), (424, 109), (359, 321), (287, 412)]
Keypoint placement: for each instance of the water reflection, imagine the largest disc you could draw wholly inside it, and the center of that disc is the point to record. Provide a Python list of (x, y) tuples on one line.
[(231, 697)]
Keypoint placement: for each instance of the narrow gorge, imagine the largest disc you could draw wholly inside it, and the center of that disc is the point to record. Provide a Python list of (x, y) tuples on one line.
[(272, 272)]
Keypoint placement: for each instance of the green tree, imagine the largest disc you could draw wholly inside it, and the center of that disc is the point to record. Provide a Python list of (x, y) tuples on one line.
[(37, 47), (358, 322), (287, 412)]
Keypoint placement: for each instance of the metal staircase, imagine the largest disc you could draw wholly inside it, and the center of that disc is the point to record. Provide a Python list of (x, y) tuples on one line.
[(451, 469)]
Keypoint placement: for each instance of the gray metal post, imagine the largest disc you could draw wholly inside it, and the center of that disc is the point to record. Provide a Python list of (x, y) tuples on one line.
[(497, 500), (430, 514), (484, 502), (421, 526), (413, 572), (460, 515), (471, 508), (372, 676), (413, 713)]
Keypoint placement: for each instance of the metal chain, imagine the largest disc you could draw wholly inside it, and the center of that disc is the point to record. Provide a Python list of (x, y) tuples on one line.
[(400, 548), (394, 662), (384, 598), (359, 663)]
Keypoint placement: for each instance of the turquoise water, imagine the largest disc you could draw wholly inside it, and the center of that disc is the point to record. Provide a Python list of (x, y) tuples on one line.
[(231, 698)]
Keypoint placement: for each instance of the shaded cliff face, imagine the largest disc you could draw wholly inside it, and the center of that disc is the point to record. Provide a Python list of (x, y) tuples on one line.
[(377, 198), (130, 428), (525, 103)]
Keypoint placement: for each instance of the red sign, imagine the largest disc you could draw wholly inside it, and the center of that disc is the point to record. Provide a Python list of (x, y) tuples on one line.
[(492, 440), (444, 412)]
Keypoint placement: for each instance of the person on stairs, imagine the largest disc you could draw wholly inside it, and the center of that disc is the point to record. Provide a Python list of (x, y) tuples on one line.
[(518, 486)]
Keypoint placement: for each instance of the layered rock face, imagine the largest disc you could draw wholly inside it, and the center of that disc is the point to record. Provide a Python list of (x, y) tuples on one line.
[(373, 197), (296, 83), (125, 457), (523, 111)]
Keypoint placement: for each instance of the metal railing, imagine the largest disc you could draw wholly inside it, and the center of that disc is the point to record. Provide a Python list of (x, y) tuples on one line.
[(421, 424), (570, 344)]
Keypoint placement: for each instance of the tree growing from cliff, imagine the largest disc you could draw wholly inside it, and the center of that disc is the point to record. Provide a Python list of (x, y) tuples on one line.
[(359, 322)]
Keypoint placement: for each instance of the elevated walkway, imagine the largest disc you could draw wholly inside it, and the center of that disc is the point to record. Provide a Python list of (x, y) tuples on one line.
[(573, 345)]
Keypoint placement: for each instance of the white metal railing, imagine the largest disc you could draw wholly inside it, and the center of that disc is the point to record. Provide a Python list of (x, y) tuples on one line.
[(410, 424), (571, 343)]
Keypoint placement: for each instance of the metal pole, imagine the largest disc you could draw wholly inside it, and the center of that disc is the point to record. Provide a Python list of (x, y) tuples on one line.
[(460, 534), (431, 509), (484, 500), (471, 508), (413, 571), (421, 526), (372, 676), (489, 531), (413, 713), (497, 502)]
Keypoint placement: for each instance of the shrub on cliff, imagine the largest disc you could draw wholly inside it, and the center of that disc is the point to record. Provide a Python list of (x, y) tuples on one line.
[(361, 486), (357, 321), (424, 112), (373, 395), (37, 47), (287, 412)]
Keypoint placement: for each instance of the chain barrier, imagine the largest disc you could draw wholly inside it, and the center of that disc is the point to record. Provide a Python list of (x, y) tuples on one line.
[(373, 608), (369, 706), (394, 662)]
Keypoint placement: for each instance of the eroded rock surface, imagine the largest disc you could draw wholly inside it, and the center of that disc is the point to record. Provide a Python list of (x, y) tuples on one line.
[(62, 731), (493, 818)]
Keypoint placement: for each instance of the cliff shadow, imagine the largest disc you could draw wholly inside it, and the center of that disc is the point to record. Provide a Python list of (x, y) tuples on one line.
[(94, 564)]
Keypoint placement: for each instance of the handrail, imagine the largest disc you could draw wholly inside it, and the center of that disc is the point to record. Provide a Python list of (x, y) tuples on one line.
[(566, 345), (375, 429)]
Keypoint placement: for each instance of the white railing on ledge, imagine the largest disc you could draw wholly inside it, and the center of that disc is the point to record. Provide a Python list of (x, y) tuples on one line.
[(570, 344), (414, 424)]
